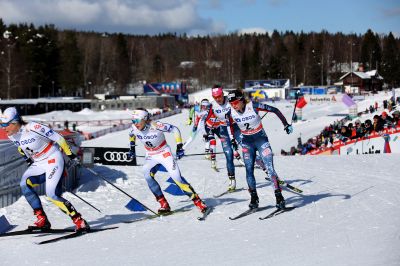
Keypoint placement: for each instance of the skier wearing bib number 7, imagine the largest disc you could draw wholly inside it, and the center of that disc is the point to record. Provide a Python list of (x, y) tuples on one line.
[(245, 115)]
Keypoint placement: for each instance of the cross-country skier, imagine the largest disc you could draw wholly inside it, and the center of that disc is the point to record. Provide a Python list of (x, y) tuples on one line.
[(151, 134), (209, 127), (245, 115), (41, 148), (199, 128), (219, 107)]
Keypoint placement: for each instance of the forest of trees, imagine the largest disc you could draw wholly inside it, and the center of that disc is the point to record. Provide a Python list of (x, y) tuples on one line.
[(44, 61)]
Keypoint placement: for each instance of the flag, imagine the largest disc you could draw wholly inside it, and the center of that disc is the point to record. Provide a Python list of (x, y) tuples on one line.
[(347, 100), (174, 190), (135, 206), (386, 148), (301, 102)]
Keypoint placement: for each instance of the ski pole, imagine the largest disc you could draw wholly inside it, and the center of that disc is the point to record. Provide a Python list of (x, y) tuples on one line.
[(105, 179), (75, 163), (294, 109), (283, 183), (197, 154), (82, 199)]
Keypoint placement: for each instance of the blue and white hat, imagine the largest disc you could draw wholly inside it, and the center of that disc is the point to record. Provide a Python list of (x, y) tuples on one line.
[(9, 115), (140, 115)]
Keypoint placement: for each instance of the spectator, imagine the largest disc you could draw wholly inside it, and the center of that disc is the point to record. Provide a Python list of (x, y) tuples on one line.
[(352, 131), (371, 109), (387, 121), (376, 106), (344, 134), (377, 124), (396, 118), (368, 127), (360, 131)]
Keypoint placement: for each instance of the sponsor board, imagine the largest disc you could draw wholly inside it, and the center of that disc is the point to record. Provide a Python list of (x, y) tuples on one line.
[(387, 141), (113, 156)]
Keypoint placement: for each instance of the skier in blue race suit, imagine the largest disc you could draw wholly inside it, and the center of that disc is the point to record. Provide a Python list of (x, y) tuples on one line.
[(253, 138)]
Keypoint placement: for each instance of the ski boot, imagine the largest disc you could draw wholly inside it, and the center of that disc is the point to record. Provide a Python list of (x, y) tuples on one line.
[(200, 204), (232, 183), (280, 200), (207, 155), (42, 222), (254, 199), (213, 163), (236, 155), (165, 208), (80, 223)]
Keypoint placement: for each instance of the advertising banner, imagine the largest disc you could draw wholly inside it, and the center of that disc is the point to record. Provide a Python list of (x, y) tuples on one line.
[(113, 156)]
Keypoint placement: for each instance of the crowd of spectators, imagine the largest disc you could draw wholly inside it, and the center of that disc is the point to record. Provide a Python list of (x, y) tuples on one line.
[(340, 131)]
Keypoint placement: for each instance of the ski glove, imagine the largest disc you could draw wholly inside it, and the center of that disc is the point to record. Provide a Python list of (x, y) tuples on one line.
[(189, 121), (29, 161), (179, 151), (234, 144), (194, 129), (72, 156), (288, 129), (131, 154)]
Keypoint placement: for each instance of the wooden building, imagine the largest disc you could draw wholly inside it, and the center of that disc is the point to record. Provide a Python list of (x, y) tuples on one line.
[(360, 82)]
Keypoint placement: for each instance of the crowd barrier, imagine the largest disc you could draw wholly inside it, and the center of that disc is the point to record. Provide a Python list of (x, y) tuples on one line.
[(387, 141)]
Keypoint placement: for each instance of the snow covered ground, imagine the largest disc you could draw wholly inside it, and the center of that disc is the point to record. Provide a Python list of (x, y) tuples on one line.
[(349, 212)]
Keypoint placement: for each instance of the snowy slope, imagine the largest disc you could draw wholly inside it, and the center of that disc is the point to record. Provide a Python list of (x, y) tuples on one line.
[(349, 213)]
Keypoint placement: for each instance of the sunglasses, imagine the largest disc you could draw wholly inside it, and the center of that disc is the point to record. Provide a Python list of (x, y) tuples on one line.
[(5, 124), (136, 121), (235, 102), (218, 97)]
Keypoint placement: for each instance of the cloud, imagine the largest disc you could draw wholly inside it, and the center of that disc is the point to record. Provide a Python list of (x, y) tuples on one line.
[(393, 12), (128, 16), (253, 30)]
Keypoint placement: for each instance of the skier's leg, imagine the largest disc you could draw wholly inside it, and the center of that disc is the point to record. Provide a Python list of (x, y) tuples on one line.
[(54, 174)]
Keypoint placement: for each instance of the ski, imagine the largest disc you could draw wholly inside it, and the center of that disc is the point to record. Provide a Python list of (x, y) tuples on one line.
[(150, 217), (75, 234), (35, 230), (215, 169), (283, 183), (277, 212), (227, 192), (250, 211), (205, 214), (240, 161)]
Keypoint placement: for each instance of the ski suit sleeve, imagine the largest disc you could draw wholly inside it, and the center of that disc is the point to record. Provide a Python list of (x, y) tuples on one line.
[(48, 133), (165, 127), (269, 108), (191, 116), (132, 140), (230, 122)]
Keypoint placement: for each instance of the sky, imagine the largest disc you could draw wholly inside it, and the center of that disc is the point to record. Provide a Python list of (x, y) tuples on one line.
[(201, 17)]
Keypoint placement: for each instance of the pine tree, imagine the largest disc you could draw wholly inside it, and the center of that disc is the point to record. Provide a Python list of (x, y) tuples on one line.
[(70, 68), (390, 61)]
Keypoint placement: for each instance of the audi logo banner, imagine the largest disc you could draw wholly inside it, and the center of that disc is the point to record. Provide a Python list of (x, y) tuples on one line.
[(113, 156)]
